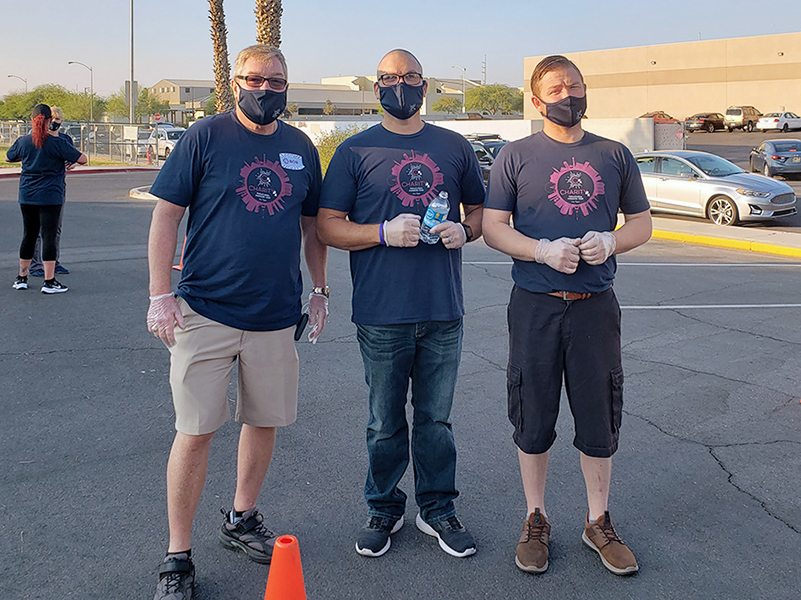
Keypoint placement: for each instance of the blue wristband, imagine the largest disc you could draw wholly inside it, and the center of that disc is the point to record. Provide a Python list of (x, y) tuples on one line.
[(381, 234)]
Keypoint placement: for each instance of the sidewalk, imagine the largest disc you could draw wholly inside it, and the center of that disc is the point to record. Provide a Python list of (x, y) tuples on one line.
[(13, 172)]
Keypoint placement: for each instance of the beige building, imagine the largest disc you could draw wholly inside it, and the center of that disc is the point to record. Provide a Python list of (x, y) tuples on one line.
[(683, 79)]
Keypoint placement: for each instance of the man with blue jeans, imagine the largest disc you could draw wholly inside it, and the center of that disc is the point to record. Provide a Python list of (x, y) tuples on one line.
[(407, 297)]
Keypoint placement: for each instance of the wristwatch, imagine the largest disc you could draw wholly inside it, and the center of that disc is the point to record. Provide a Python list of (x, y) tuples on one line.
[(323, 291), (468, 232)]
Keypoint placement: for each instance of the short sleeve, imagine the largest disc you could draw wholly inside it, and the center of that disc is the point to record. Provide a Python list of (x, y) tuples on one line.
[(633, 199), (178, 180), (65, 150), (312, 201), (13, 153), (502, 188), (339, 185), (472, 182)]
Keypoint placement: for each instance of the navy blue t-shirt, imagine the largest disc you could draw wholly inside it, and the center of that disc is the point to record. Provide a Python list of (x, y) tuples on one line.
[(246, 193), (43, 169), (565, 190), (376, 175)]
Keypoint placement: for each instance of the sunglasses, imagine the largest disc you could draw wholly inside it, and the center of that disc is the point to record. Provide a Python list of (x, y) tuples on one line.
[(254, 82)]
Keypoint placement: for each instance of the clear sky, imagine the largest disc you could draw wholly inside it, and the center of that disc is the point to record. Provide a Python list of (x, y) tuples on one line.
[(329, 38)]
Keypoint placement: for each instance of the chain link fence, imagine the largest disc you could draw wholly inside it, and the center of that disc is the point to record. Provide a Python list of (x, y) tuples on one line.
[(116, 142)]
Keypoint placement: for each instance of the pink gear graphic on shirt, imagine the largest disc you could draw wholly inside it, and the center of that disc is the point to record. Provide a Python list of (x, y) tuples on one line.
[(576, 186), (264, 185), (415, 178)]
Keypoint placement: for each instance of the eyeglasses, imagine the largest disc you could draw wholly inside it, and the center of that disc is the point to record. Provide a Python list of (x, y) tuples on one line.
[(413, 79), (276, 84)]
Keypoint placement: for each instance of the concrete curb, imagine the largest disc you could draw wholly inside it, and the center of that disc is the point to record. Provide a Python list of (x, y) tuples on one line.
[(749, 245), (141, 193), (88, 171)]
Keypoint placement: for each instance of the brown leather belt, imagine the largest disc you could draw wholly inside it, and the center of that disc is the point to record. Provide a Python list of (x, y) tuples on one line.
[(570, 295)]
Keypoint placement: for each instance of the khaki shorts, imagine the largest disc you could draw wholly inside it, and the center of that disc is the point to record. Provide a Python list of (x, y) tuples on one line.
[(200, 369)]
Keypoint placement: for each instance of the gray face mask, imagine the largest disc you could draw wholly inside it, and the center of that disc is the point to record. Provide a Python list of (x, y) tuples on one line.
[(567, 112)]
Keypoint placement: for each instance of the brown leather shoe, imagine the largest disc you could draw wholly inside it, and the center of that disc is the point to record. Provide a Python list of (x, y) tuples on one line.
[(602, 537), (532, 549)]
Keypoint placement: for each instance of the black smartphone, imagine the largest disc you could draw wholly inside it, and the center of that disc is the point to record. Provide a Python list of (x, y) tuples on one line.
[(304, 320)]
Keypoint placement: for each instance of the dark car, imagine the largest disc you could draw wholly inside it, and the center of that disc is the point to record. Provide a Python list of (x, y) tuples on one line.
[(706, 122), (486, 146), (776, 157)]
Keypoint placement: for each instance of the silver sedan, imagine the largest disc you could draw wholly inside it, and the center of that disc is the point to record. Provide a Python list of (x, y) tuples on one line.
[(704, 185)]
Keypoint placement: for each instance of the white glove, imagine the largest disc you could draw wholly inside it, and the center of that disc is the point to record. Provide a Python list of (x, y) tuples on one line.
[(318, 311), (561, 255), (403, 231), (162, 316), (452, 234), (597, 246)]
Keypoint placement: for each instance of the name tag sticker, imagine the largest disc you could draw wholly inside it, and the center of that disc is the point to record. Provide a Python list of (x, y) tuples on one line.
[(293, 162)]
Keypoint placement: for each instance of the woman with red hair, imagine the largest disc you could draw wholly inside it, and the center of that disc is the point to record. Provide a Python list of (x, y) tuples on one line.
[(41, 194)]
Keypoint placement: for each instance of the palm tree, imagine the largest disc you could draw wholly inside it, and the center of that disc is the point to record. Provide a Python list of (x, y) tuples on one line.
[(222, 68), (268, 22)]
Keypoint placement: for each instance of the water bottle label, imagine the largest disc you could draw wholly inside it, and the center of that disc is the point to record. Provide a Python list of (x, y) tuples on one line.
[(432, 219)]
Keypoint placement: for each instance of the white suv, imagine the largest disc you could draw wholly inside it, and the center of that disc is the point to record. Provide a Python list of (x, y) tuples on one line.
[(742, 117), (168, 136)]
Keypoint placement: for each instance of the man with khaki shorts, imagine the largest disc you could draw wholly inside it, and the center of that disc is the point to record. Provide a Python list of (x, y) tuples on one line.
[(252, 186)]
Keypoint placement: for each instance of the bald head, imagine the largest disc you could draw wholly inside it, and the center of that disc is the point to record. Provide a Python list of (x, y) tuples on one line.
[(399, 61)]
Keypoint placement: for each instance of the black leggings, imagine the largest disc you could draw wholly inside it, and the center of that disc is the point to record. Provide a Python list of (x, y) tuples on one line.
[(34, 218)]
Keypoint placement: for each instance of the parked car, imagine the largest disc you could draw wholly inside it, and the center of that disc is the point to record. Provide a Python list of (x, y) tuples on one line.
[(705, 185), (774, 157), (706, 122), (485, 159), (742, 117), (492, 142), (659, 116), (783, 121), (168, 136)]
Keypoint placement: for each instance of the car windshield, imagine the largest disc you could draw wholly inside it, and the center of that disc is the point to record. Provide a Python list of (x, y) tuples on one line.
[(174, 135), (787, 146), (714, 166), (773, 115)]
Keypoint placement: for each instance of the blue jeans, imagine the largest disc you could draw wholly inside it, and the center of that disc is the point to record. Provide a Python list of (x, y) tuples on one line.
[(428, 353)]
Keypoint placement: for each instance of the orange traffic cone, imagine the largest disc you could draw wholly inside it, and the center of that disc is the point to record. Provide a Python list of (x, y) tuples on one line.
[(180, 264), (285, 581)]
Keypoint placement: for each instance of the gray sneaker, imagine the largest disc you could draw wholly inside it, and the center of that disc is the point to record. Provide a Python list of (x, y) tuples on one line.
[(453, 537), (374, 538), (248, 536), (176, 578)]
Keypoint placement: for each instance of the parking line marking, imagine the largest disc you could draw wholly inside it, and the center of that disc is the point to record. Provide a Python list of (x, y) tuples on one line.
[(706, 306)]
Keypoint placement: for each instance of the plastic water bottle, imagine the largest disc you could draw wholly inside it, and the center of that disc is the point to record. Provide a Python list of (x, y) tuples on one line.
[(437, 213)]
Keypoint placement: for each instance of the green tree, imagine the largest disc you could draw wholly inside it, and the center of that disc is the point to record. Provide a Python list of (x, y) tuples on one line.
[(327, 143), (147, 104), (330, 108), (210, 108), (495, 98), (448, 104), (75, 105)]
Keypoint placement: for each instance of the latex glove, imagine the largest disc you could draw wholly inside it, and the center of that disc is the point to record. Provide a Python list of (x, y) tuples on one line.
[(597, 246), (403, 231), (162, 316), (452, 234), (318, 311), (69, 166), (561, 255)]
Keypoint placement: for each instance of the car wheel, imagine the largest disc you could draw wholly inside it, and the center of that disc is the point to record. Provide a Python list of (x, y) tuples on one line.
[(730, 129), (749, 127), (766, 171), (722, 211), (785, 129), (166, 153), (711, 128)]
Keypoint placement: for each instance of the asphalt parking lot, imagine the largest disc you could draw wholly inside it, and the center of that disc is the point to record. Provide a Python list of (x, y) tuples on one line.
[(705, 482)]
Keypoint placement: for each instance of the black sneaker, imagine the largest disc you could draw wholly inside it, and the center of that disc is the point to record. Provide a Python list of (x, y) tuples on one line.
[(61, 269), (452, 536), (248, 536), (52, 286), (374, 537), (176, 578), (20, 283)]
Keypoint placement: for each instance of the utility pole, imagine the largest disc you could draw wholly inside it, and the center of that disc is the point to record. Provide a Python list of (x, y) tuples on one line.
[(133, 93), (484, 71)]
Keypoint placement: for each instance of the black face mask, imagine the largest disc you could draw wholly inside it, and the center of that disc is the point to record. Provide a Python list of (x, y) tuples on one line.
[(54, 126), (401, 100), (567, 112), (262, 106)]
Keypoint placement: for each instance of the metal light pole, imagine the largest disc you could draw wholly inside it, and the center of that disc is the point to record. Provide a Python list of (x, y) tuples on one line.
[(132, 95), (23, 79), (464, 98), (91, 88)]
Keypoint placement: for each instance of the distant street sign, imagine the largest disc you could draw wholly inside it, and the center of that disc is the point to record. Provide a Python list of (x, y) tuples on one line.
[(157, 117)]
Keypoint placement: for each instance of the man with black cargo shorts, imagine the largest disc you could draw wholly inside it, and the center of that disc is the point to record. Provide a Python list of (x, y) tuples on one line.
[(563, 187)]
